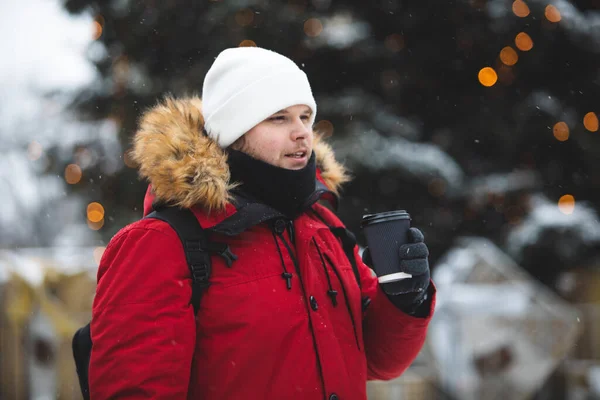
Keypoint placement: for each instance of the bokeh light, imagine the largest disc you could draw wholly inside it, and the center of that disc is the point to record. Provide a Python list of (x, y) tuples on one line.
[(73, 174), (590, 121), (247, 43), (552, 14), (509, 56), (561, 131), (97, 27), (566, 204), (313, 27), (96, 30), (523, 41), (487, 76), (324, 128), (520, 8), (95, 212)]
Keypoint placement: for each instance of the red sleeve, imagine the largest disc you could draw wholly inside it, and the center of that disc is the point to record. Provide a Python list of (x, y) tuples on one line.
[(392, 338), (143, 328)]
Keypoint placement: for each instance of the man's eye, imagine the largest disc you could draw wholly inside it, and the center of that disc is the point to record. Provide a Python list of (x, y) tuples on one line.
[(278, 118), (306, 117)]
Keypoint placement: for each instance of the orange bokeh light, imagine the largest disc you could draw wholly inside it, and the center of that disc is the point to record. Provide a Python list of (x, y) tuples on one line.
[(509, 56), (523, 42), (96, 30), (566, 204), (247, 43), (487, 76), (551, 13), (324, 128), (520, 8), (95, 212), (561, 131), (73, 174), (590, 121), (313, 27)]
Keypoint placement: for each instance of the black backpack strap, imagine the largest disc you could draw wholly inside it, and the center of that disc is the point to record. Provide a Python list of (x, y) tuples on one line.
[(197, 247)]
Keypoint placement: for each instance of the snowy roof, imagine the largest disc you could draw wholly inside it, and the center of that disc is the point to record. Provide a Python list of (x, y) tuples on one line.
[(487, 308), (582, 226)]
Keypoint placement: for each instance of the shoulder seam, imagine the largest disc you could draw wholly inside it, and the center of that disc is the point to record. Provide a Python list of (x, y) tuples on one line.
[(135, 226)]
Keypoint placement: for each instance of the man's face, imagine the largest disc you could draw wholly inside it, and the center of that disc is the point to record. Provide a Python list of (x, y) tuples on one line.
[(285, 139)]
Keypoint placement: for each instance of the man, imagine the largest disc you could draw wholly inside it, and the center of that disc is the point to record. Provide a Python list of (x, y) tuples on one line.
[(288, 318)]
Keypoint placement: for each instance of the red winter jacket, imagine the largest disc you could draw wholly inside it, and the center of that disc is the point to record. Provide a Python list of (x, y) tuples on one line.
[(253, 338)]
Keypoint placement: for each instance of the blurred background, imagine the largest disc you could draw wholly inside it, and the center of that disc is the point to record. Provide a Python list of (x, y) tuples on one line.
[(478, 117)]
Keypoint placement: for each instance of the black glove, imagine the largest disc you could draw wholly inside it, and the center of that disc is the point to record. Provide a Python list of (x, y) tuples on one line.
[(408, 294)]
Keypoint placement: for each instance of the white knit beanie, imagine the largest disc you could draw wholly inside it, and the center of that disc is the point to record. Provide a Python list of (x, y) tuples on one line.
[(246, 85)]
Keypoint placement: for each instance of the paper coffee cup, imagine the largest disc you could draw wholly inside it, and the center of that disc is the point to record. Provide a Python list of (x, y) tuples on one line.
[(385, 233)]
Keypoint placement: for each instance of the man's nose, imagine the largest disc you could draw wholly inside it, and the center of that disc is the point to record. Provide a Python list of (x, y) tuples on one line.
[(300, 130)]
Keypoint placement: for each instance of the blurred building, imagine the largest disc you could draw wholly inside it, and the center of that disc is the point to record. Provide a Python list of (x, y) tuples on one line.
[(45, 295)]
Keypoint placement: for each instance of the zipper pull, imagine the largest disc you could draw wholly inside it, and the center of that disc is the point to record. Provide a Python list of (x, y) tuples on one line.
[(288, 278), (333, 295)]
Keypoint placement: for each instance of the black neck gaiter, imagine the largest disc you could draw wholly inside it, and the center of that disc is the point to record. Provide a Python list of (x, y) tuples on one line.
[(285, 190)]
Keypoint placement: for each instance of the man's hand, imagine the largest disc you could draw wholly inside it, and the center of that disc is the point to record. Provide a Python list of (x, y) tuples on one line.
[(413, 261), (410, 292)]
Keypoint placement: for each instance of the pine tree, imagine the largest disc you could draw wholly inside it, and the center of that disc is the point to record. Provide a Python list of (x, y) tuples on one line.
[(455, 111)]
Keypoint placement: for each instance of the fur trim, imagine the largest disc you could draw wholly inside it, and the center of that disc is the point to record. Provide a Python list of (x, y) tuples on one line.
[(186, 168), (333, 173)]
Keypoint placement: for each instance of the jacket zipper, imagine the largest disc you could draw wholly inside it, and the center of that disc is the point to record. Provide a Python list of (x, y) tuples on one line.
[(345, 298)]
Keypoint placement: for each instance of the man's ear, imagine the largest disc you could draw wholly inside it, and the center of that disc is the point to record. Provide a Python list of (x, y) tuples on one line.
[(239, 144)]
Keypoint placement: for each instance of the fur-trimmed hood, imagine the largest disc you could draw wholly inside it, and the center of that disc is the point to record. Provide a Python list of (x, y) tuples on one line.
[(187, 168)]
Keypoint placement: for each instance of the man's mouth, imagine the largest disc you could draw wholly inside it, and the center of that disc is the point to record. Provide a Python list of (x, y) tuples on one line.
[(298, 154)]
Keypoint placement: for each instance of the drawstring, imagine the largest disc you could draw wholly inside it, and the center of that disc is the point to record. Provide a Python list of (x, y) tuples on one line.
[(285, 275), (288, 276), (331, 293)]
